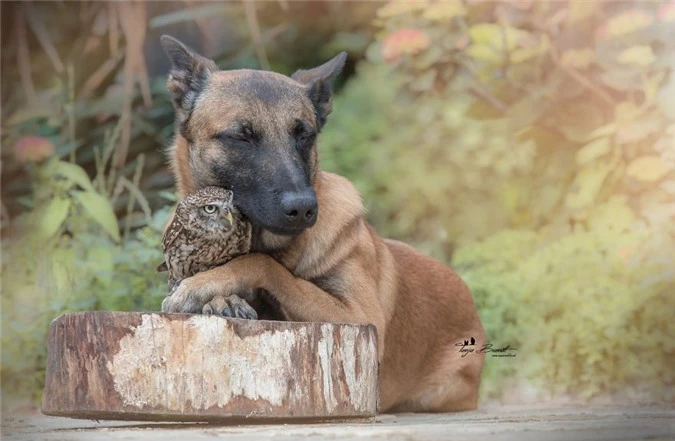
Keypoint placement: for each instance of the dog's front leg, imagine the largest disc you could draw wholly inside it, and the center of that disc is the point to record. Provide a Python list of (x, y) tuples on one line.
[(300, 299)]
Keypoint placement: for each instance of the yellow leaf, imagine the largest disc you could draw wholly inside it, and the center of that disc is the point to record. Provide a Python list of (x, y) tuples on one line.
[(586, 185), (626, 111), (484, 53), (99, 209), (398, 7), (580, 10), (640, 55), (605, 130), (628, 22), (496, 36), (521, 54), (637, 131), (486, 33), (593, 150), (444, 10), (648, 168), (613, 214), (51, 216), (577, 58)]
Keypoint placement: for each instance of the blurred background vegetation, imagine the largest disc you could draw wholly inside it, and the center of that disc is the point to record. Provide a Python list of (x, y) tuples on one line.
[(529, 144)]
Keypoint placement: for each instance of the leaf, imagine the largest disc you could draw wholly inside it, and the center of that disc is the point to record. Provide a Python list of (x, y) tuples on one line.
[(648, 168), (168, 195), (605, 130), (190, 14), (628, 22), (593, 150), (578, 126), (667, 11), (665, 98), (613, 214), (579, 11), (522, 54), (51, 216), (28, 114), (491, 42), (577, 58), (639, 55), (424, 82), (101, 260), (395, 8), (491, 34), (404, 41), (637, 131), (443, 11), (587, 185), (99, 209), (484, 53), (75, 174)]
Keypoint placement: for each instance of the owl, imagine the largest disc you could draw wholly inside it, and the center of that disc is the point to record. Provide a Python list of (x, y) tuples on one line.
[(206, 231)]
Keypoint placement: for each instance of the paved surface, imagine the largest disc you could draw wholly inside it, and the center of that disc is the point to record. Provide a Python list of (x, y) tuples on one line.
[(510, 423)]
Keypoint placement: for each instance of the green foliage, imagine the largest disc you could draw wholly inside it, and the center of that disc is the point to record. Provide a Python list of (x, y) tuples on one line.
[(64, 255), (84, 181), (530, 144)]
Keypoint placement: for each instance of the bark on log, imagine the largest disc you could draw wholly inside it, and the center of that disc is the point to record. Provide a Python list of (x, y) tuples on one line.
[(184, 367)]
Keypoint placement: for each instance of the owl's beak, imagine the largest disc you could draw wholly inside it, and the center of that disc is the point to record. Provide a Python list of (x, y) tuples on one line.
[(228, 216)]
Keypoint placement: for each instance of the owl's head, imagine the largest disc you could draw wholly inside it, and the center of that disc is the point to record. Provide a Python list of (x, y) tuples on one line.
[(209, 211)]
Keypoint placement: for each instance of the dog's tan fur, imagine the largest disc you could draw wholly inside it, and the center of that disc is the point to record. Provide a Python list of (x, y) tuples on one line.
[(340, 270)]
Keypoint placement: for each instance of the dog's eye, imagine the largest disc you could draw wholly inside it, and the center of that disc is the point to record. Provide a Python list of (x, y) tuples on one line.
[(210, 209), (306, 138), (304, 133), (243, 135), (247, 133)]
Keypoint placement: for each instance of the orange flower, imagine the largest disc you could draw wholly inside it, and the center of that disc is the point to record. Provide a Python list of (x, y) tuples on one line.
[(405, 41), (33, 149)]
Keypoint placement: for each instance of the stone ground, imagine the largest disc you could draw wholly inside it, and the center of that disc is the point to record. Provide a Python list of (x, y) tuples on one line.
[(509, 423)]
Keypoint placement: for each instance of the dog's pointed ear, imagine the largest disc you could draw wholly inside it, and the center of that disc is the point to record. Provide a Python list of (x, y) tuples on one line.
[(189, 73), (319, 82)]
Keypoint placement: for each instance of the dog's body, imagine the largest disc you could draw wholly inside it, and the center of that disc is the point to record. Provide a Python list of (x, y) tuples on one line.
[(327, 266)]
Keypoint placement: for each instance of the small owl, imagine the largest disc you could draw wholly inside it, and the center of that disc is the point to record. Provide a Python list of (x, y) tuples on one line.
[(206, 231)]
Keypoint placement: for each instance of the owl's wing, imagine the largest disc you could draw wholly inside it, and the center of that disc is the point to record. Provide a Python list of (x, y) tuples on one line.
[(171, 233)]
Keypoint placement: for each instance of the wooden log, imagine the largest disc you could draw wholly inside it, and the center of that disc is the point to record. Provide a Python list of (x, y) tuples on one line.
[(185, 367)]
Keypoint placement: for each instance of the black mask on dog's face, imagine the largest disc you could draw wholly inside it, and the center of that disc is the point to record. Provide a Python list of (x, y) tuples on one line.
[(254, 132)]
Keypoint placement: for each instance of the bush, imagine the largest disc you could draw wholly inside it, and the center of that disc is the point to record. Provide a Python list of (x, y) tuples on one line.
[(532, 146), (66, 255)]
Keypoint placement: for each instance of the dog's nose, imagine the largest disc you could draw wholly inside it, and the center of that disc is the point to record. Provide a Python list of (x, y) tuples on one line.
[(300, 209)]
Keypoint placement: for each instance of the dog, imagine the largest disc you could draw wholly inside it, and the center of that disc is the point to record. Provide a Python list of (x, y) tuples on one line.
[(255, 133)]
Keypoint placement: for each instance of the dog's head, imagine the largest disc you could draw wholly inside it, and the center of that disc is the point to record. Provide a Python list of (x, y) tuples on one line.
[(253, 132)]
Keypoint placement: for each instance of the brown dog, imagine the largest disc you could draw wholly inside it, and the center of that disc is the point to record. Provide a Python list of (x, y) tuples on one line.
[(255, 133)]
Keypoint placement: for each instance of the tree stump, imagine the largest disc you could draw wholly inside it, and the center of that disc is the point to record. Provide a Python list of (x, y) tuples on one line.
[(185, 367)]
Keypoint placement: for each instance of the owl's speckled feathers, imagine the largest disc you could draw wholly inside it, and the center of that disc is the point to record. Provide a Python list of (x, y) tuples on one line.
[(206, 231)]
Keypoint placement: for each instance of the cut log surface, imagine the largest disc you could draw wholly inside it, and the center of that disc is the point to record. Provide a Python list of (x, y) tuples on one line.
[(185, 367)]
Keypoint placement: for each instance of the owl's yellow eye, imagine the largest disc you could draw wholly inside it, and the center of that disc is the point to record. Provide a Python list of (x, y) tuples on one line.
[(210, 209)]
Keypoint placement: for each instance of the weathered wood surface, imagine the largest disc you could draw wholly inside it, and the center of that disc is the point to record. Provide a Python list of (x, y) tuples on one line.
[(534, 422), (184, 367)]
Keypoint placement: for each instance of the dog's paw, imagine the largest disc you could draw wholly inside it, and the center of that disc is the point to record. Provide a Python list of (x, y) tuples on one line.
[(189, 295), (230, 306)]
